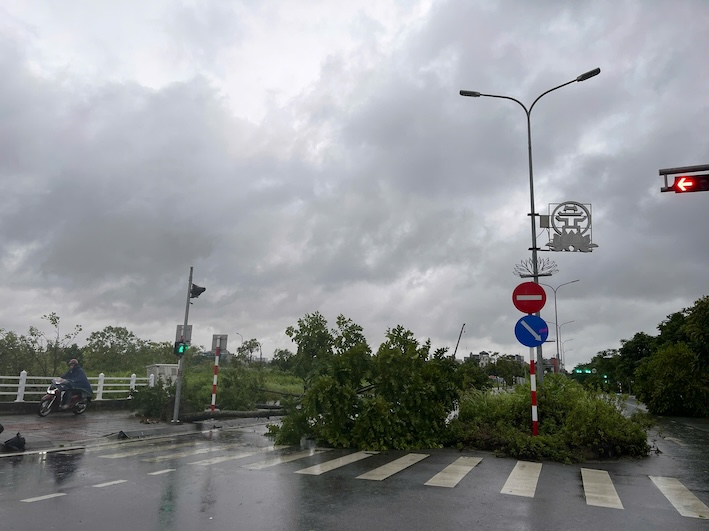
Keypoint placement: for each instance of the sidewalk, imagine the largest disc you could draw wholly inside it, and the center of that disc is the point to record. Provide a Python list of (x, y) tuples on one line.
[(66, 430)]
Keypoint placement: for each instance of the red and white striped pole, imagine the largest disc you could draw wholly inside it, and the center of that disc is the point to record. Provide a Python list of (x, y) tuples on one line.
[(533, 384), (214, 383)]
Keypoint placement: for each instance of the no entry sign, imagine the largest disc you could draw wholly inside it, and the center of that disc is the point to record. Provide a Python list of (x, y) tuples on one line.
[(529, 297)]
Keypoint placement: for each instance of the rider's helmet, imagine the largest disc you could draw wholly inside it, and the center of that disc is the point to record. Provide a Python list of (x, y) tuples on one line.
[(73, 361)]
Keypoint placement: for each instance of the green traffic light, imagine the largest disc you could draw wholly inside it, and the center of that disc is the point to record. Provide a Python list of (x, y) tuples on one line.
[(181, 348)]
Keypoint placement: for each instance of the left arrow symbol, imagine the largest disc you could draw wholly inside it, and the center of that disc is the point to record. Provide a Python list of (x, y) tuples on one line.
[(683, 184)]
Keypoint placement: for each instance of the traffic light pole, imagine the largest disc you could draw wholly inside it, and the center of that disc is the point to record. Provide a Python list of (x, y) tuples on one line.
[(178, 384)]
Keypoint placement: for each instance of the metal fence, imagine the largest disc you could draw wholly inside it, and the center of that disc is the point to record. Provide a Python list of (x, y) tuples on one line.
[(105, 387)]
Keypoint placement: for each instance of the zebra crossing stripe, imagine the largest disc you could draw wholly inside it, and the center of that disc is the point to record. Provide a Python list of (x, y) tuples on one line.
[(686, 503), (284, 459), (146, 450), (523, 479), (453, 473), (222, 458), (335, 463), (394, 467), (599, 490), (167, 457)]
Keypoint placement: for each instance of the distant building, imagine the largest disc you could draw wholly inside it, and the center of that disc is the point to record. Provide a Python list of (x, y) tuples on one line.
[(482, 359), (163, 371), (224, 354)]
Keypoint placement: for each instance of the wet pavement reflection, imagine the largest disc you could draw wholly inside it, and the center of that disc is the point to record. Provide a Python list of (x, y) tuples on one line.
[(63, 465)]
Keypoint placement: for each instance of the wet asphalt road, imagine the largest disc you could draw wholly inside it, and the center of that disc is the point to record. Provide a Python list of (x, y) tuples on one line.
[(228, 478)]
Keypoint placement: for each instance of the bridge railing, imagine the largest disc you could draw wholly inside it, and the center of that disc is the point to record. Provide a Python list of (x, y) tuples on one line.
[(105, 387)]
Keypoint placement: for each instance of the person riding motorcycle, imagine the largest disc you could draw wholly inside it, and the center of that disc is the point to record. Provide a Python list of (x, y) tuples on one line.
[(79, 382)]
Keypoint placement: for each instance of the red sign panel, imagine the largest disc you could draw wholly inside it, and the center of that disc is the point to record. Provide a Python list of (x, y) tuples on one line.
[(529, 297)]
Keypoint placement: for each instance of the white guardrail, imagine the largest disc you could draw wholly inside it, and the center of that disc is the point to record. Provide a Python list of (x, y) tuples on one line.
[(36, 386)]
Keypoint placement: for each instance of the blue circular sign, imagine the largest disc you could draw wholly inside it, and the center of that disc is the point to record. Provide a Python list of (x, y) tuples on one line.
[(531, 331)]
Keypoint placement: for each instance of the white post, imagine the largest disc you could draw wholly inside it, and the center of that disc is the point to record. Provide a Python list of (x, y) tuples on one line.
[(132, 382), (21, 387), (151, 380), (99, 392)]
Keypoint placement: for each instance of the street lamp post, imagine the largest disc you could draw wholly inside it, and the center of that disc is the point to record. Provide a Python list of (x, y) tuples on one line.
[(556, 320), (561, 325), (242, 341), (533, 214), (564, 349)]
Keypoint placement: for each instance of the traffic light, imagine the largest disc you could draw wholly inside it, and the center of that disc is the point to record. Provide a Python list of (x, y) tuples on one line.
[(180, 348), (691, 183)]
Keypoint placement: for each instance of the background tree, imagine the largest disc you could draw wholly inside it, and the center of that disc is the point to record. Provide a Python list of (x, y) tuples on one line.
[(696, 328), (632, 352), (17, 353), (472, 376), (245, 352), (48, 350), (669, 384), (114, 349), (315, 344), (283, 360)]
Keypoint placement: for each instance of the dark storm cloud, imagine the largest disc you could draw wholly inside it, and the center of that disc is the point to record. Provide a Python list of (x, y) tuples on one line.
[(377, 192)]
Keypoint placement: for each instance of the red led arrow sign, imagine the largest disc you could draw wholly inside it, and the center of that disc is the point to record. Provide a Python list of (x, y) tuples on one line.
[(684, 183), (691, 183)]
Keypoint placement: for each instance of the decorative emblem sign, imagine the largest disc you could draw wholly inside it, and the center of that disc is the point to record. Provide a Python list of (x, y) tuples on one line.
[(571, 226)]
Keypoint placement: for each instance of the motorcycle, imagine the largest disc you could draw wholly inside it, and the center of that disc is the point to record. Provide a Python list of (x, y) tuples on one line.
[(55, 393)]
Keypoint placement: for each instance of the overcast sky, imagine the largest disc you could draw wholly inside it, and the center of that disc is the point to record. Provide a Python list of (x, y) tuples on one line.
[(312, 155)]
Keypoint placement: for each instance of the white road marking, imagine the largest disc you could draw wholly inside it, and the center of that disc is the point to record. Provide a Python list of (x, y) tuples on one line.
[(599, 490), (40, 498), (675, 440), (157, 473), (523, 479), (160, 458), (453, 473), (686, 503), (222, 458), (335, 463), (284, 459), (394, 467), (146, 450), (108, 484)]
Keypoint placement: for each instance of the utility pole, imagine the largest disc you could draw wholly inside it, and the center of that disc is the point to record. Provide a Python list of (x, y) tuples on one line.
[(180, 365)]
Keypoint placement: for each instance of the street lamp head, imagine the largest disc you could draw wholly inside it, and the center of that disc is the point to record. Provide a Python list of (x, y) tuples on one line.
[(589, 74), (471, 93)]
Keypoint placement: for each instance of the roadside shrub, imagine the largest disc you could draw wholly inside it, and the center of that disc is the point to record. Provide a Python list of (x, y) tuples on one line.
[(574, 423), (155, 402), (239, 389)]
